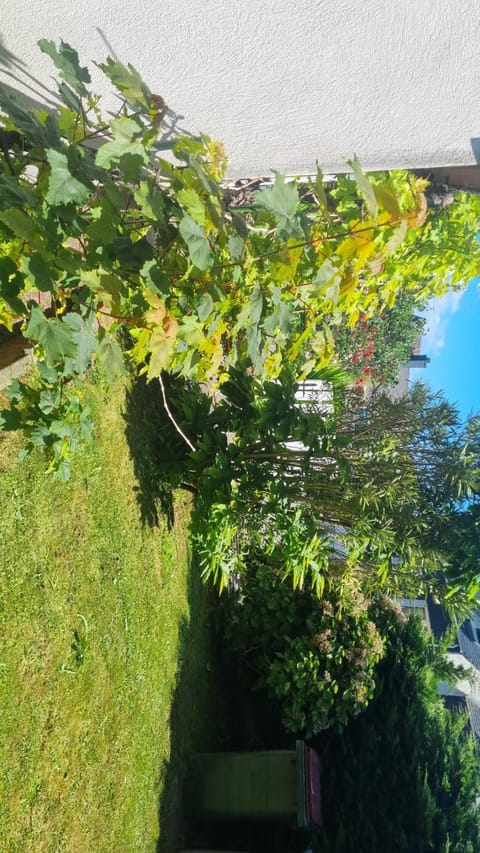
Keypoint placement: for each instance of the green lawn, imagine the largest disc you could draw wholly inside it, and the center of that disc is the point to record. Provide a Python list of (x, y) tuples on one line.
[(104, 644)]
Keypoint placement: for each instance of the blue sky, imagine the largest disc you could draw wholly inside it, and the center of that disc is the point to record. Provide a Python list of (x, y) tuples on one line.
[(452, 342)]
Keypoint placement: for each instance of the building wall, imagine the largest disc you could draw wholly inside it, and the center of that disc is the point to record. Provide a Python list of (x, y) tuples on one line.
[(282, 83)]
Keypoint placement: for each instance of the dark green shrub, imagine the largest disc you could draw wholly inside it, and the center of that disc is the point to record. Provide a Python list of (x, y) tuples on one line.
[(314, 656)]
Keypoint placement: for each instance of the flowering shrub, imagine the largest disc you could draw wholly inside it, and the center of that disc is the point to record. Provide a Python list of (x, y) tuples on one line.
[(315, 657), (326, 675), (375, 347)]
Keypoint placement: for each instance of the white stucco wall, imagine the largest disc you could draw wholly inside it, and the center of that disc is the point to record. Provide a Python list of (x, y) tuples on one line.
[(286, 83)]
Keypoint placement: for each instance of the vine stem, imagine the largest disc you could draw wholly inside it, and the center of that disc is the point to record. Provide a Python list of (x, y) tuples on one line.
[(169, 413), (313, 242)]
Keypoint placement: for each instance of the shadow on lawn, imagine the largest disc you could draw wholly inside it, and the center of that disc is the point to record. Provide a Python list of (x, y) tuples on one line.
[(196, 714), (214, 709), (157, 451)]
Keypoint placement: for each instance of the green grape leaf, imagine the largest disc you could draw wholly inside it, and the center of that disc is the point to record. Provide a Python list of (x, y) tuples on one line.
[(11, 285), (21, 225), (110, 356), (155, 278), (256, 304), (63, 188), (236, 245), (319, 188), (67, 62), (52, 334), (193, 204), (24, 120), (52, 131), (161, 345), (253, 345), (282, 199), (85, 340), (70, 99), (13, 194), (198, 245), (126, 147), (49, 400), (150, 201), (101, 230), (204, 307), (132, 256), (397, 237), (128, 81), (240, 225), (10, 419), (364, 187), (40, 274), (325, 273)]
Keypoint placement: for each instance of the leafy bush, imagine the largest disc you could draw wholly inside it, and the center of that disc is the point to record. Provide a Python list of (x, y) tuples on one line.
[(315, 657), (404, 775)]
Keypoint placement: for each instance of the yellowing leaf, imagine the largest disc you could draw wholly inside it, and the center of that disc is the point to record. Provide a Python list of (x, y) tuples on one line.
[(358, 249), (161, 346), (422, 208), (386, 197), (157, 312), (397, 237)]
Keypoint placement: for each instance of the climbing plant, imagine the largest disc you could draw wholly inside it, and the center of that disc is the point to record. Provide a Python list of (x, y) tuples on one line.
[(107, 223)]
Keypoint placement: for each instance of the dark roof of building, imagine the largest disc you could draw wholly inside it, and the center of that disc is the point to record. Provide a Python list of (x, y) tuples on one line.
[(445, 690), (473, 706), (470, 650), (439, 618)]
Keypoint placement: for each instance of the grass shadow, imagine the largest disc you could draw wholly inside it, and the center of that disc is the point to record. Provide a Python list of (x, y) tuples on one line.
[(158, 452), (196, 719), (214, 709)]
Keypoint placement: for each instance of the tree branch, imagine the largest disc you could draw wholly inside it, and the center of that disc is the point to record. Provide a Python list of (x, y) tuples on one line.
[(167, 409)]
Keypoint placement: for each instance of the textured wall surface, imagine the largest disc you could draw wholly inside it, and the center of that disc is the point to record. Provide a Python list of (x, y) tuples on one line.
[(282, 83)]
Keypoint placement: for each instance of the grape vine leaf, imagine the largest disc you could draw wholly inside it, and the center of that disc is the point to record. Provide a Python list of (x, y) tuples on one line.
[(386, 197), (110, 356), (364, 186), (67, 62), (52, 334), (13, 194), (125, 144), (41, 275), (11, 285), (84, 339), (193, 204), (205, 307), (256, 304), (63, 188), (23, 119), (128, 81), (198, 245), (282, 200), (21, 225)]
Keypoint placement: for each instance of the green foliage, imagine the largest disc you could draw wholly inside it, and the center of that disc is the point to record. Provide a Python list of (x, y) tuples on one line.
[(404, 775), (379, 492), (94, 217), (314, 657)]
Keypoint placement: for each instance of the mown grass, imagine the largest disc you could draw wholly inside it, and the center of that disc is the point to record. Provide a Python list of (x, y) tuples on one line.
[(103, 630)]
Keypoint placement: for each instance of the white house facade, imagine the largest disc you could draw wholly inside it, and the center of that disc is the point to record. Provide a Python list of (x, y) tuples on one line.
[(283, 84)]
